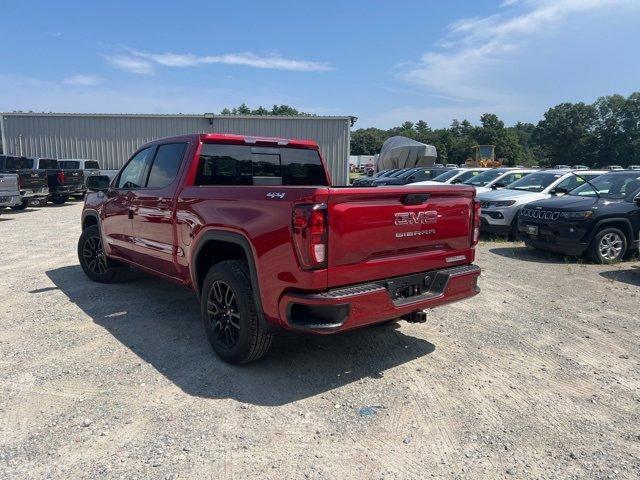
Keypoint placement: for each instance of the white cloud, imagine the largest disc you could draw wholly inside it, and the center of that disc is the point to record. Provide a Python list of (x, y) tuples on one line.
[(145, 63), (35, 94), (131, 64), (83, 80), (475, 47)]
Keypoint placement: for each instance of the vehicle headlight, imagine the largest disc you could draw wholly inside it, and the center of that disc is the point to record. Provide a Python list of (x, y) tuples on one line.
[(577, 215), (502, 203)]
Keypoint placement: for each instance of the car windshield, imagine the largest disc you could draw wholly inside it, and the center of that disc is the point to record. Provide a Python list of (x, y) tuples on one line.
[(398, 173), (69, 164), (536, 182), (443, 177), (610, 185), (483, 178), (464, 176), (407, 173), (91, 164)]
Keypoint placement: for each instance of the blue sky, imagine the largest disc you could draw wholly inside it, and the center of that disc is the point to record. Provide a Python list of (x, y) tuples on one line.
[(384, 62)]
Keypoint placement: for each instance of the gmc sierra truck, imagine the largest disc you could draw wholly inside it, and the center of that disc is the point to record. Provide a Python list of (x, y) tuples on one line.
[(62, 183), (32, 184), (9, 190), (253, 227)]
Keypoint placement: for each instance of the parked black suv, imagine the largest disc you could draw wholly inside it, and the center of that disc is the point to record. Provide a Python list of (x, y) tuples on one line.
[(600, 218)]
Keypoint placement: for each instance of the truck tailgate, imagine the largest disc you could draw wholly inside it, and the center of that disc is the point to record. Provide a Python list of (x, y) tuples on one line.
[(8, 183), (395, 231), (33, 179), (73, 177)]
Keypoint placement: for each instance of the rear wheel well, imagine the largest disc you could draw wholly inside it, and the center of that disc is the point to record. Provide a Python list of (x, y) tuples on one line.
[(216, 251)]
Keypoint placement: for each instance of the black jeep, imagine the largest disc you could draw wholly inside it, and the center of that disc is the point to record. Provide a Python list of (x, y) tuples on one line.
[(600, 218)]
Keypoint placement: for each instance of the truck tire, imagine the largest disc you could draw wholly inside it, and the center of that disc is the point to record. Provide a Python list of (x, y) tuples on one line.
[(230, 316), (21, 206), (608, 246), (93, 260), (59, 199)]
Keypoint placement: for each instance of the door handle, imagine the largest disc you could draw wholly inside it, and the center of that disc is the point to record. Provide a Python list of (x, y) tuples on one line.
[(164, 204)]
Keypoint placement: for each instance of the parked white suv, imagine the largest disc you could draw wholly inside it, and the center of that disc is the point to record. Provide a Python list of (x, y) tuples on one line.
[(451, 177), (498, 178), (499, 208)]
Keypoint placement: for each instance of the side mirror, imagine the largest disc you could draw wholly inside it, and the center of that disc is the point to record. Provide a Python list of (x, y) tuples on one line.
[(98, 183), (498, 185), (558, 191), (456, 180)]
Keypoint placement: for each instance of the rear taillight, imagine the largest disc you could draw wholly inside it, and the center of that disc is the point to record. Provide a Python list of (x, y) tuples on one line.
[(309, 225), (61, 177), (476, 223)]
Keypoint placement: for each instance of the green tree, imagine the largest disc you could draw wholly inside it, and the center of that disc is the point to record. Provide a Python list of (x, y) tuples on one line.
[(243, 110), (611, 136), (566, 134), (284, 110), (260, 111), (367, 141)]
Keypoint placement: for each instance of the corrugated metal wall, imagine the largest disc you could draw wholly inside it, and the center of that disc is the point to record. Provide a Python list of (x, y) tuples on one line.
[(111, 139)]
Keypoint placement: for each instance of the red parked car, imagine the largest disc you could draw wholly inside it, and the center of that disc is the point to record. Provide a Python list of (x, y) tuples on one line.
[(252, 225)]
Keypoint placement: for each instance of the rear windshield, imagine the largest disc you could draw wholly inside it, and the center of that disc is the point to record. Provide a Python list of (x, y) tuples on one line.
[(91, 165), (69, 164), (18, 163), (48, 164), (247, 165)]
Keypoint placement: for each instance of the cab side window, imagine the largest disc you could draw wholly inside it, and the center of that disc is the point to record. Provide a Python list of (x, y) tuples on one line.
[(132, 176), (166, 164)]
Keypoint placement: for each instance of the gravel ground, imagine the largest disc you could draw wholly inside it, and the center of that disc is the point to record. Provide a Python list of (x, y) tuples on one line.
[(536, 377)]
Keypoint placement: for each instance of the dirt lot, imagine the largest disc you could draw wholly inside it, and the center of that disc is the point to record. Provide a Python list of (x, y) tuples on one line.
[(537, 377)]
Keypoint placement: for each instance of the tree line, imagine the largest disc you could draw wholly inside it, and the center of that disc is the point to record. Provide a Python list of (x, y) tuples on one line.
[(280, 110), (606, 132)]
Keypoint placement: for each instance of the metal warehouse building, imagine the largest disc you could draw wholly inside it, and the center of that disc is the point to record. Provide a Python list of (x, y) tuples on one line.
[(111, 138)]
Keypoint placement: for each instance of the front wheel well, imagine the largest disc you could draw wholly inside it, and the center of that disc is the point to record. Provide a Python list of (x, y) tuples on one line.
[(621, 225), (213, 252), (88, 221)]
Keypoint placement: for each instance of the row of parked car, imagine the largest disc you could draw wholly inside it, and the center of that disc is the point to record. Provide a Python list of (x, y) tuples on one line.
[(25, 181), (572, 211)]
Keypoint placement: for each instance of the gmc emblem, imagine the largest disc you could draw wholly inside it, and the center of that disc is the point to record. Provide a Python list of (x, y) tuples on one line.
[(416, 218)]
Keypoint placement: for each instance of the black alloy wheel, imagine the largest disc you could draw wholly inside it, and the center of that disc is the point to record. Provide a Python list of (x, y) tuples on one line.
[(93, 255), (224, 315)]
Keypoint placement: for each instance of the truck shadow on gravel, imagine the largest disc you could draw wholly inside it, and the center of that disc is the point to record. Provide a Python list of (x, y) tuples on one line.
[(531, 255), (160, 322), (629, 276)]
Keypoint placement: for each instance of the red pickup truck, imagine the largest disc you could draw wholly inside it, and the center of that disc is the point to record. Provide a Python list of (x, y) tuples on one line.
[(252, 225)]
